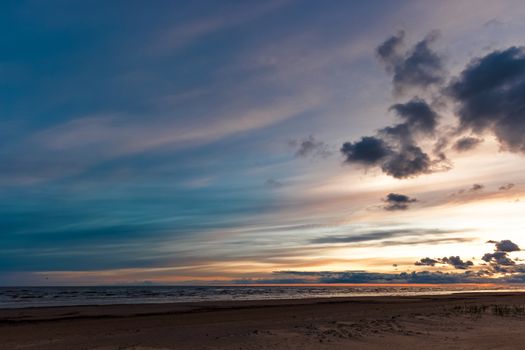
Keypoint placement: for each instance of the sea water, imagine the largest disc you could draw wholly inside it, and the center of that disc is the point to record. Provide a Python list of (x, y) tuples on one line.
[(17, 297)]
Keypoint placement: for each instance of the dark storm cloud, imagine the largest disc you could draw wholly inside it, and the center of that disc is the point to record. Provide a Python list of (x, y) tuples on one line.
[(426, 262), (497, 261), (457, 262), (417, 115), (506, 187), (500, 269), (490, 93), (390, 51), (506, 246), (405, 162), (467, 143), (310, 147), (454, 261), (420, 67), (410, 161), (369, 151), (394, 149), (498, 258), (395, 201)]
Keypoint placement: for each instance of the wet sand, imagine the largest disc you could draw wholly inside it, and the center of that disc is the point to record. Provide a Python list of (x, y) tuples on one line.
[(461, 321)]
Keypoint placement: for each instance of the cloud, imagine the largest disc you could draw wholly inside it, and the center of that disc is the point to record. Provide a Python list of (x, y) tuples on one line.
[(426, 262), (185, 33), (506, 187), (75, 146), (466, 144), (370, 236), (493, 23), (498, 261), (501, 269), (114, 135), (418, 68), (368, 151), (419, 277), (417, 115), (310, 147), (454, 261), (374, 277), (381, 235), (489, 94), (498, 258), (272, 183), (457, 262), (394, 149), (390, 51), (506, 246), (410, 161), (476, 187), (432, 241), (395, 201), (472, 189)]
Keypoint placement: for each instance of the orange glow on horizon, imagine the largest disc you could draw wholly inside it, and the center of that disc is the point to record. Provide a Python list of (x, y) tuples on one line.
[(363, 285)]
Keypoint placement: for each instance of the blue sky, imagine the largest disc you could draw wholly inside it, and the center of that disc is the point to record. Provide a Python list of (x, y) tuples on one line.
[(200, 141)]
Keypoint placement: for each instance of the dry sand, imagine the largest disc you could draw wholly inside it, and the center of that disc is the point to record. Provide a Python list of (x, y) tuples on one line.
[(463, 321)]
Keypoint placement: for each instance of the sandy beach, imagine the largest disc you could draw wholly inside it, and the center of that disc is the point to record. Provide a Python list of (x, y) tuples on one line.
[(461, 321)]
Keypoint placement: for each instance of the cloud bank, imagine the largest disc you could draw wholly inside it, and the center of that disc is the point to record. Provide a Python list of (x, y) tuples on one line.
[(489, 95), (486, 97), (419, 67), (394, 149), (496, 262)]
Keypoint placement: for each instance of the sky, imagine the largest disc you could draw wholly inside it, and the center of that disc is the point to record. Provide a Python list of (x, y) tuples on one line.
[(284, 141)]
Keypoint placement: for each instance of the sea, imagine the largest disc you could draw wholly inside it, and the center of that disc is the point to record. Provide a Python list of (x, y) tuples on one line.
[(23, 297)]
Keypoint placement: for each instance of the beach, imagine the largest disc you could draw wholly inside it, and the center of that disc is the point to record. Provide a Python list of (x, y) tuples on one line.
[(457, 321)]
